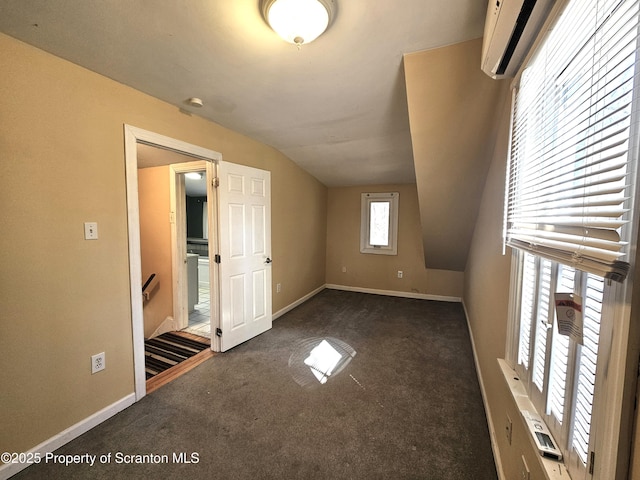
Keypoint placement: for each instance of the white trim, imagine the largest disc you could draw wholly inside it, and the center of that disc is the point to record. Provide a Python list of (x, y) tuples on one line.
[(609, 406), (346, 288), (365, 222), (167, 325), (179, 238), (178, 249), (395, 293), (133, 136), (552, 469), (298, 302), (9, 469), (513, 326), (213, 209), (610, 418), (135, 261), (485, 402), (153, 139)]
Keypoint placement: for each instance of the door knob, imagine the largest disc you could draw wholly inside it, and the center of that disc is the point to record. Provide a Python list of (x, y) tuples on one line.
[(268, 260)]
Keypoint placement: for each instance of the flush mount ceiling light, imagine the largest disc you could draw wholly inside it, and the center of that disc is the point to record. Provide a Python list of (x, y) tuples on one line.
[(297, 21)]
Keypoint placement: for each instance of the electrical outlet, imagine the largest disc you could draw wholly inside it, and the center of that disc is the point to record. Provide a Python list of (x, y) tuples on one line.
[(278, 287), (344, 269), (399, 273), (97, 362), (524, 472), (509, 429)]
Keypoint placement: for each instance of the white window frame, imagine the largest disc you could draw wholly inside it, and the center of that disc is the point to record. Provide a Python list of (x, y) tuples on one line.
[(611, 417), (609, 423), (365, 221), (561, 430)]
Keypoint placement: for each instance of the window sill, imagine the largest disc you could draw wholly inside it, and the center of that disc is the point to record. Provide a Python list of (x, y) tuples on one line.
[(379, 251), (553, 469)]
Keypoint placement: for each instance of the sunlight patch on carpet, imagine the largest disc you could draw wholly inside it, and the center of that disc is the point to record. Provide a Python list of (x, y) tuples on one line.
[(315, 360)]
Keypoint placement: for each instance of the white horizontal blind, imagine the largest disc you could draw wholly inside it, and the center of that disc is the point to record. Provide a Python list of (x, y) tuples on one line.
[(569, 167)]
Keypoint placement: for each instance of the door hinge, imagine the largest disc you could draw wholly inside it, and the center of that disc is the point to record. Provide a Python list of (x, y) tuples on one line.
[(216, 258), (215, 183), (218, 332), (592, 461)]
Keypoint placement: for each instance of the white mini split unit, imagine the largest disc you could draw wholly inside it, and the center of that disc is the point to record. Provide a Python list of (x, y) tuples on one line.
[(509, 31)]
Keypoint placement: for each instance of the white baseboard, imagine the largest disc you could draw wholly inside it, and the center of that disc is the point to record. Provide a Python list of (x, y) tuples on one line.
[(391, 293), (9, 469), (490, 424), (395, 293), (300, 301)]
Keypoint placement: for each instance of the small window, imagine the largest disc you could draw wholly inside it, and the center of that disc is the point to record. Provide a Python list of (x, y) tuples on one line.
[(379, 223)]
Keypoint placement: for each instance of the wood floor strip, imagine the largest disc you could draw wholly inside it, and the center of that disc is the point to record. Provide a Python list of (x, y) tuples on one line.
[(172, 373), (193, 336)]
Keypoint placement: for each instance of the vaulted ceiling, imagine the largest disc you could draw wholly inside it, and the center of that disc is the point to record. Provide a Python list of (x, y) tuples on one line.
[(337, 106), (391, 93)]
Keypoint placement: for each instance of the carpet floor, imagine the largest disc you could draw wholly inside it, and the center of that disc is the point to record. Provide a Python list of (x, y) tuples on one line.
[(400, 400)]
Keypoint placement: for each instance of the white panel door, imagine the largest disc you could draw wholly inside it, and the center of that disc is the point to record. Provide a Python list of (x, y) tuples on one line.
[(245, 250)]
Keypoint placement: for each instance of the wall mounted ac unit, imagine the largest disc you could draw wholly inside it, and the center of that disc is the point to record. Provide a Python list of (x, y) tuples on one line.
[(510, 29)]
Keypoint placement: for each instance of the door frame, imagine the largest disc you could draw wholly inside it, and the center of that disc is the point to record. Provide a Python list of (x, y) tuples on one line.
[(132, 137), (177, 201)]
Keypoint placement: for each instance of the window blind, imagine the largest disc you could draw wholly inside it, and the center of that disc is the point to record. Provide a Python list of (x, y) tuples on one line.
[(571, 167)]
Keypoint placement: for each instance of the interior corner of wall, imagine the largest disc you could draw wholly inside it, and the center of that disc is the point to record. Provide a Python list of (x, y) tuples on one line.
[(167, 325)]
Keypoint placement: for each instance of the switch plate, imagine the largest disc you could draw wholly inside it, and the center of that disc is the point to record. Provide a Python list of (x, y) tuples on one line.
[(90, 230), (399, 273), (97, 362), (278, 287)]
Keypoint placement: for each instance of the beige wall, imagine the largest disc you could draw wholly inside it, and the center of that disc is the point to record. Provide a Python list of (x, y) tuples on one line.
[(62, 298), (451, 107), (486, 301), (299, 232), (380, 271), (154, 201)]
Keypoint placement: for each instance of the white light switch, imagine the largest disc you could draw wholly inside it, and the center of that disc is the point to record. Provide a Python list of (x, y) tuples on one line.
[(90, 230)]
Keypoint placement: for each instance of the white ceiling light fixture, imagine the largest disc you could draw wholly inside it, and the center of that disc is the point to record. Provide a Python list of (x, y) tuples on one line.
[(298, 21)]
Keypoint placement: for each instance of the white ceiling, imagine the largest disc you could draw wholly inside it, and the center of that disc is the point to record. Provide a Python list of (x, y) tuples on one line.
[(337, 107)]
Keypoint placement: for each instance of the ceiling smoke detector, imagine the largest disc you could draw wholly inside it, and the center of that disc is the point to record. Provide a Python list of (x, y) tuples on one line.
[(195, 102)]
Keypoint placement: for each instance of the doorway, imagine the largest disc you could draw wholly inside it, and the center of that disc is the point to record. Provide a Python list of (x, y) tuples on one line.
[(240, 277), (199, 251), (137, 139)]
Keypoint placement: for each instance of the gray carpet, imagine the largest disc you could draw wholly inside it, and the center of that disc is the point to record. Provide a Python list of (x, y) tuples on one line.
[(407, 405)]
